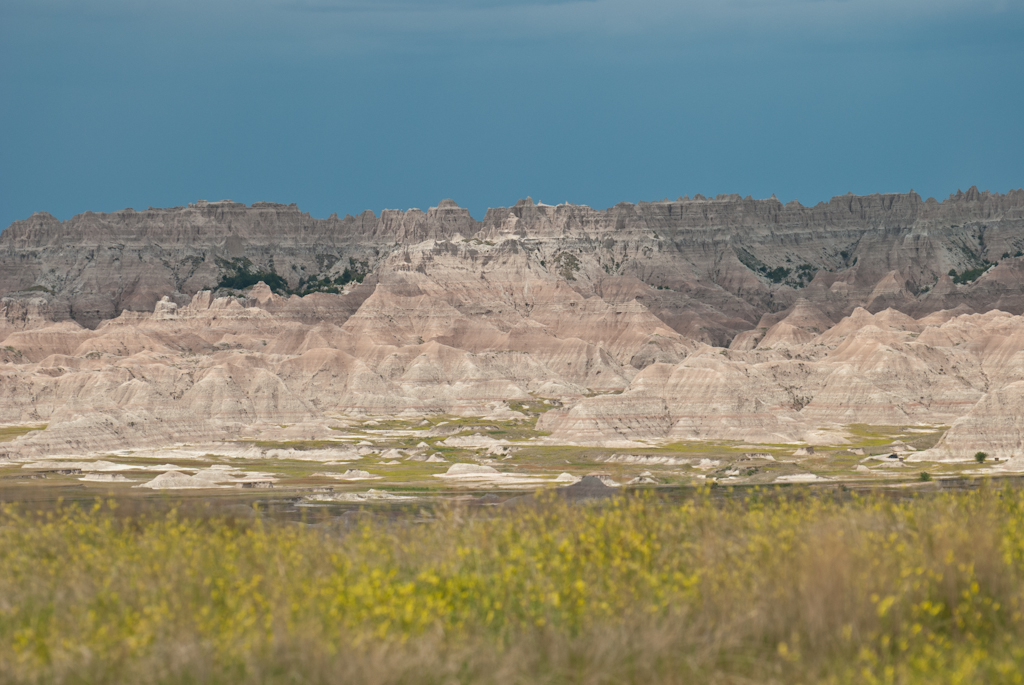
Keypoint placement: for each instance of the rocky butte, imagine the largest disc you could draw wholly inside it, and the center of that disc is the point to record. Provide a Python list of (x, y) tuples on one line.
[(694, 319)]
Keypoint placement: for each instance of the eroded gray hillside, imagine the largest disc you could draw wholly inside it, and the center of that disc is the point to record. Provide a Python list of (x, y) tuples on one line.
[(708, 268)]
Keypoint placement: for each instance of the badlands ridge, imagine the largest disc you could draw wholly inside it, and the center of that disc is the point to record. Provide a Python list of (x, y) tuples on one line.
[(696, 319)]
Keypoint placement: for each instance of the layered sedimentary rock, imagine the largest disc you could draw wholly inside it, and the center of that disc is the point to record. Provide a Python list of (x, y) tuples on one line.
[(708, 268), (885, 368), (699, 318)]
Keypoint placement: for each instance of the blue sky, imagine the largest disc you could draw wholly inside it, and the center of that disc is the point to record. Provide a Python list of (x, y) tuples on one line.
[(346, 105)]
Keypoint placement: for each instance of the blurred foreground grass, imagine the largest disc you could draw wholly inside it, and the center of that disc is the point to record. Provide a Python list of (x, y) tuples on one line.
[(772, 588)]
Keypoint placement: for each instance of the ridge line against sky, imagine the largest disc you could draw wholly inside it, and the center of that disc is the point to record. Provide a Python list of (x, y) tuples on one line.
[(539, 201), (342, 105)]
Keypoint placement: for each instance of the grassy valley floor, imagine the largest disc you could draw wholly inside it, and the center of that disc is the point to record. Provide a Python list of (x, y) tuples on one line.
[(410, 458)]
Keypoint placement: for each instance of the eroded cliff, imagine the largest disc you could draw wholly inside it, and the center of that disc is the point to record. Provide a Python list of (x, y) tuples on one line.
[(709, 268), (723, 318)]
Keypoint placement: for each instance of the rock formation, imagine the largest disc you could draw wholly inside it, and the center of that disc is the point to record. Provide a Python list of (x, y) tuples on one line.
[(708, 268), (701, 318)]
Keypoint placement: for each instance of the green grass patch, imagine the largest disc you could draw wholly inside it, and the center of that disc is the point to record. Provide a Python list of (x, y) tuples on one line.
[(300, 445), (868, 436), (532, 408), (11, 432)]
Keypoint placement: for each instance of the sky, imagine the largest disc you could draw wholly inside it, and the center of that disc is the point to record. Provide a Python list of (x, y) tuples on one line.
[(347, 105)]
